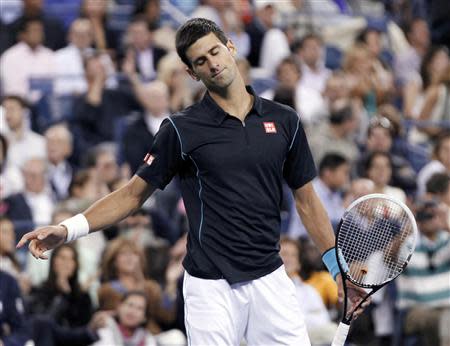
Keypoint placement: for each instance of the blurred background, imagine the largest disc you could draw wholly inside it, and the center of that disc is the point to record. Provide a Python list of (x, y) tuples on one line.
[(85, 85)]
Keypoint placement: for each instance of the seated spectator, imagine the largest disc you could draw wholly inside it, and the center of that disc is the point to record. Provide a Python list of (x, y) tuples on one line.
[(171, 71), (440, 162), (306, 101), (334, 175), (313, 272), (95, 113), (434, 105), (105, 38), (123, 269), (423, 287), (371, 85), (54, 30), (150, 10), (61, 295), (438, 186), (358, 187), (14, 330), (11, 180), (104, 164), (59, 149), (23, 144), (139, 43), (138, 136), (318, 323), (378, 168), (380, 137), (128, 326), (337, 134), (26, 60), (70, 78), (34, 206), (373, 39), (314, 73), (8, 261)]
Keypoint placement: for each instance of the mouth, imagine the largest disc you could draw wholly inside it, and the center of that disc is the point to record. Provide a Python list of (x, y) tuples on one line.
[(217, 74)]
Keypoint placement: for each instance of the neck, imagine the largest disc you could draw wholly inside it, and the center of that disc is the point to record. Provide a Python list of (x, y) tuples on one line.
[(18, 132), (338, 131), (235, 99)]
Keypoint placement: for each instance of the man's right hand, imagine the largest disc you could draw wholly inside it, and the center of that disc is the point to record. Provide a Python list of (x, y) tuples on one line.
[(43, 239)]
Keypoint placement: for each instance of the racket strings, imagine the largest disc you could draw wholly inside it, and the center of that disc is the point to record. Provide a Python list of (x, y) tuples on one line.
[(371, 239)]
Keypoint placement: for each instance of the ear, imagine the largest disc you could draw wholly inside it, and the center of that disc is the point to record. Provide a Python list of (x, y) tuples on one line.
[(232, 48), (192, 74)]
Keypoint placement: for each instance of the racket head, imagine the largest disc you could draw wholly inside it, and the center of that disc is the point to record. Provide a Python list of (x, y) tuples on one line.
[(375, 240)]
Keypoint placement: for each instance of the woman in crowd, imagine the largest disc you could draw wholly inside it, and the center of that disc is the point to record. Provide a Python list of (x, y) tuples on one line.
[(124, 269), (378, 168), (127, 326), (61, 296)]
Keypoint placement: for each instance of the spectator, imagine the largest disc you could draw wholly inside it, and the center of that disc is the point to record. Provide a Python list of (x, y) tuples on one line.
[(262, 21), (289, 91), (128, 326), (435, 104), (359, 187), (96, 112), (150, 10), (54, 30), (61, 295), (139, 42), (423, 287), (59, 149), (105, 38), (123, 269), (310, 50), (334, 175), (33, 206), (105, 165), (14, 330), (11, 180), (407, 64), (154, 98), (336, 134), (378, 168), (318, 323), (373, 39), (70, 78), (368, 83), (438, 186), (24, 144), (380, 137), (26, 60), (440, 162), (314, 273), (172, 72), (8, 261)]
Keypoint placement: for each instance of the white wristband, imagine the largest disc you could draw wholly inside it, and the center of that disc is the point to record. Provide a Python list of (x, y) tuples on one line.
[(77, 227)]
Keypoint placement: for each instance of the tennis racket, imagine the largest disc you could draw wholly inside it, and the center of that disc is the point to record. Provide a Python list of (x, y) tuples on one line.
[(375, 240)]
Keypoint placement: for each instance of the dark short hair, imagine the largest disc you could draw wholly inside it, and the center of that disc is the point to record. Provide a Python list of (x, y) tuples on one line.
[(193, 30), (23, 25), (331, 161), (19, 99), (372, 156), (289, 60), (300, 43), (438, 183)]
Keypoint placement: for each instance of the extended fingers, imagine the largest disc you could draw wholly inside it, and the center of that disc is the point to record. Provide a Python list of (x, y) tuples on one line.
[(37, 250)]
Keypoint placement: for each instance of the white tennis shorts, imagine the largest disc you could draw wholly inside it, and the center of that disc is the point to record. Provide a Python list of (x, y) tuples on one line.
[(264, 312)]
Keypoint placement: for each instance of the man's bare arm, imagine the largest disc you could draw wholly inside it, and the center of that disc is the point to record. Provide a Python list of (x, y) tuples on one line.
[(103, 213), (314, 217)]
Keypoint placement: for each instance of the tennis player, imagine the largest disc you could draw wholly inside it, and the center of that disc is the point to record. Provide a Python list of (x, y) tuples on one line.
[(231, 152)]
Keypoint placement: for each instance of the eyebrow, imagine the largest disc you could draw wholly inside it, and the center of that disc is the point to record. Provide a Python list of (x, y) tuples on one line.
[(202, 56)]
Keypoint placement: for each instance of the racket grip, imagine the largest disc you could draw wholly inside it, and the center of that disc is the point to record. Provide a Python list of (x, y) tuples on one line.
[(341, 334)]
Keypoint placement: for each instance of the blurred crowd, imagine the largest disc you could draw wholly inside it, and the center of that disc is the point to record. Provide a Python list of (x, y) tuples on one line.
[(85, 85)]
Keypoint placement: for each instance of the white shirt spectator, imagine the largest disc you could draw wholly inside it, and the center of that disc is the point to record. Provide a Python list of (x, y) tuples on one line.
[(20, 63), (11, 181), (29, 145), (41, 205), (314, 79), (274, 48), (70, 78)]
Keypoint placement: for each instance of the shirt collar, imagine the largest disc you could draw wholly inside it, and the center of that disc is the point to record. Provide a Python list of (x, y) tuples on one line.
[(219, 114)]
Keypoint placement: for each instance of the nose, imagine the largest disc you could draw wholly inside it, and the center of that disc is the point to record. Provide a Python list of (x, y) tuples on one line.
[(213, 64)]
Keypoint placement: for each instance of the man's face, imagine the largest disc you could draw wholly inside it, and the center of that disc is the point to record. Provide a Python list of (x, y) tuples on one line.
[(311, 52), (13, 114), (81, 34), (420, 34), (139, 36), (288, 76), (33, 34), (34, 174), (212, 62), (58, 146), (339, 177)]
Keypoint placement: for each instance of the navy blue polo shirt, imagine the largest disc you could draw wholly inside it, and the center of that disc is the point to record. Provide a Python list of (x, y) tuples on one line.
[(231, 176)]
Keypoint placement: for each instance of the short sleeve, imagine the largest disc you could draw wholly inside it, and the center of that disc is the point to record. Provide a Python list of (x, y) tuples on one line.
[(299, 166), (165, 158)]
